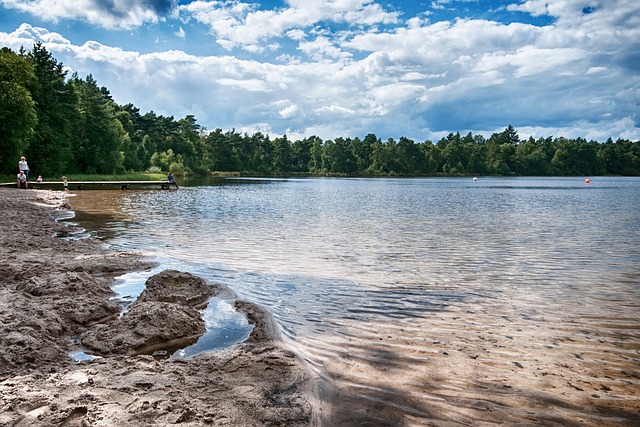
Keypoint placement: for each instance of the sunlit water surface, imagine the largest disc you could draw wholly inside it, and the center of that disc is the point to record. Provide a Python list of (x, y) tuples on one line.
[(380, 284)]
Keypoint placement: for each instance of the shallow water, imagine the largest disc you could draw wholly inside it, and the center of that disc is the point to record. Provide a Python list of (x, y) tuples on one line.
[(421, 299)]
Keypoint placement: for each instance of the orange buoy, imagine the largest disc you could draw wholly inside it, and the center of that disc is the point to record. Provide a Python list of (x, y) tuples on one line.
[(587, 181)]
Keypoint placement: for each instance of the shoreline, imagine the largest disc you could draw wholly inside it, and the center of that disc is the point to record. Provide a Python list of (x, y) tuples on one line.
[(55, 293)]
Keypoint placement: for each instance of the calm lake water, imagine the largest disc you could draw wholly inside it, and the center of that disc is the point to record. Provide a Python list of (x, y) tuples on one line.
[(404, 294)]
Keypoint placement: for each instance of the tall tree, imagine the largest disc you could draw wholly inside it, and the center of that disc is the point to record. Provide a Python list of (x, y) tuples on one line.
[(99, 136), (301, 154), (530, 158), (219, 151), (189, 130), (511, 136), (50, 150), (315, 163), (411, 160), (377, 164), (17, 109), (282, 154), (261, 153), (133, 148), (500, 151), (453, 154)]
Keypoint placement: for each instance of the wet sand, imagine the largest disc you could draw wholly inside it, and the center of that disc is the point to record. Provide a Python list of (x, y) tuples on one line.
[(55, 299)]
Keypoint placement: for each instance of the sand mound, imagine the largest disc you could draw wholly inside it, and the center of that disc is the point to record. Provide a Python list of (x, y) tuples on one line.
[(54, 290)]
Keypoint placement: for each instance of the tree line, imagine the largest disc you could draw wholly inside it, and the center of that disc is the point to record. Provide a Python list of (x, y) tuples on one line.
[(67, 125)]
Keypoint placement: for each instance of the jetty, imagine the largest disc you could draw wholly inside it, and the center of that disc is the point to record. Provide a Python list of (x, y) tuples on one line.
[(96, 185)]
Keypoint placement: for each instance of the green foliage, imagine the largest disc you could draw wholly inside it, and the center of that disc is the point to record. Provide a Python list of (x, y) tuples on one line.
[(99, 136), (154, 169), (18, 116), (168, 161), (50, 149), (73, 126), (281, 157)]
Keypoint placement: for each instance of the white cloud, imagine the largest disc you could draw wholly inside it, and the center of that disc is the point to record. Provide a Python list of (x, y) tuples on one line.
[(114, 14), (337, 110), (322, 48), (236, 23), (594, 70), (26, 35), (296, 34), (534, 7), (624, 128), (529, 60), (585, 14), (250, 85), (290, 112)]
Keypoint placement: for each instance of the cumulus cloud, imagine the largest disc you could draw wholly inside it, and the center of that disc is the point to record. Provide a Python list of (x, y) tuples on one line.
[(26, 35), (322, 48), (290, 111), (235, 23), (104, 13)]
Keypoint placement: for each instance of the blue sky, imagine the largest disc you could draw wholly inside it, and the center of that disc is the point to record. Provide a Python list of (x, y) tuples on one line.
[(346, 68)]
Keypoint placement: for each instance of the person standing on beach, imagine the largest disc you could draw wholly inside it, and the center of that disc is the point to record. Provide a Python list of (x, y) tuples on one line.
[(23, 167), (22, 180), (65, 183)]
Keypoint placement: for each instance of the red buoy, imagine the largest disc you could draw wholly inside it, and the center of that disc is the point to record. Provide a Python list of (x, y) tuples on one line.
[(587, 181)]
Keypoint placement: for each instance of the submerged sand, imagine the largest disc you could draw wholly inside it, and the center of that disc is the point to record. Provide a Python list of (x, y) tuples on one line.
[(55, 299)]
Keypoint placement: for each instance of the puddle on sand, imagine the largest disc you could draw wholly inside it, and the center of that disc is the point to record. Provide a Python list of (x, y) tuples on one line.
[(224, 325), (81, 356)]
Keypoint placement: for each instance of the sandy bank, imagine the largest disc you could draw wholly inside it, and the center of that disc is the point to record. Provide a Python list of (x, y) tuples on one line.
[(54, 295)]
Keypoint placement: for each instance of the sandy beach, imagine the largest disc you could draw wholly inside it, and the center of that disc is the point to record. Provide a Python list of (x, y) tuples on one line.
[(55, 299)]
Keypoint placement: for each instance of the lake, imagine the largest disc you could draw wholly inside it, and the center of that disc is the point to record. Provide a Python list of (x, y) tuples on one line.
[(417, 301)]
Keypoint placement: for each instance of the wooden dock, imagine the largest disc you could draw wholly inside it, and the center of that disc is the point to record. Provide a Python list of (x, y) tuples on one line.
[(94, 185)]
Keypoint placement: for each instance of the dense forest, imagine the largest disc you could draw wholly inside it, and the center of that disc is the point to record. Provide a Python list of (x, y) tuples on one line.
[(66, 125)]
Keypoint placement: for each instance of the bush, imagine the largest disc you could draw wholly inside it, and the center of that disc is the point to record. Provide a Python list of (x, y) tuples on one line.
[(177, 167)]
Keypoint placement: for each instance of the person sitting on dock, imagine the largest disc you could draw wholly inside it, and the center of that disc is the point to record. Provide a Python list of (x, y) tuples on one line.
[(22, 180), (39, 179), (172, 179)]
